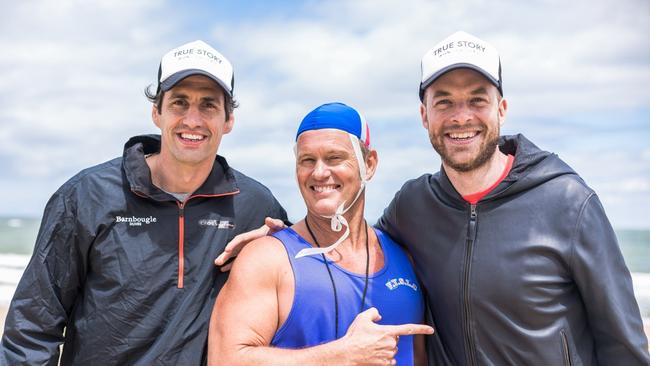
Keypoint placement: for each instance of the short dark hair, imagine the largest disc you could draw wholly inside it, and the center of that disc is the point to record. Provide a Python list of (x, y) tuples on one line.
[(156, 98)]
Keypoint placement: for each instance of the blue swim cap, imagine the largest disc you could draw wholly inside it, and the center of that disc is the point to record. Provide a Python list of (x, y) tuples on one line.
[(338, 116), (341, 117)]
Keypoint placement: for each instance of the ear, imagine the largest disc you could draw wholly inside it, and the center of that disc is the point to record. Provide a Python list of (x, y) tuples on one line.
[(423, 115), (155, 117), (503, 109), (230, 122), (372, 160)]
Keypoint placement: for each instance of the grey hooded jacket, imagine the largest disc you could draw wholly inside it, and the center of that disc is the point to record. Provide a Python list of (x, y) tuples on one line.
[(531, 275)]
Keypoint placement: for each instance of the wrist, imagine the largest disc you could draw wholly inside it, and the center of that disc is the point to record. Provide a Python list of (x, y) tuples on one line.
[(341, 352)]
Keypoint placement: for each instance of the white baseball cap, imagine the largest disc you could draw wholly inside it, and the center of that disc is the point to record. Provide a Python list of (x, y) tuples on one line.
[(461, 50), (195, 58)]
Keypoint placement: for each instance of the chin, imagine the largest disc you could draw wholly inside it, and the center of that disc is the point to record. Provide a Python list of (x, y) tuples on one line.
[(324, 208), (196, 157)]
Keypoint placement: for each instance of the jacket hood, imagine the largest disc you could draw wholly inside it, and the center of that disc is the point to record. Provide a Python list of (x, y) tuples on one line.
[(531, 167), (221, 180)]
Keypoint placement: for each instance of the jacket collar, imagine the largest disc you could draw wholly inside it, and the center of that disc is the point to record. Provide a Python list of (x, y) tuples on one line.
[(221, 180), (527, 158)]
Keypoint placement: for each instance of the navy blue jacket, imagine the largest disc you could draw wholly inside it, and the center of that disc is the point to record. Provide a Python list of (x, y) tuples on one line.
[(126, 269)]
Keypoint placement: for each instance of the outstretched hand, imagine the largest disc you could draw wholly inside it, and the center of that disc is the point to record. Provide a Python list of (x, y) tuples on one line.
[(234, 246), (375, 344)]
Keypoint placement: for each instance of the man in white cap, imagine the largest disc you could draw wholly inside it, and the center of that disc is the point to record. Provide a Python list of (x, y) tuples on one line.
[(520, 263), (121, 272), (293, 299)]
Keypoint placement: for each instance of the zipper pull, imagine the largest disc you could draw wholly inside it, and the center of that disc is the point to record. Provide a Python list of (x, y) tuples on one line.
[(472, 211)]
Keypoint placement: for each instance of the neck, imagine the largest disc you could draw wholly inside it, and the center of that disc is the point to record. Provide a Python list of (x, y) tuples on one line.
[(321, 227), (479, 179), (351, 253), (175, 177)]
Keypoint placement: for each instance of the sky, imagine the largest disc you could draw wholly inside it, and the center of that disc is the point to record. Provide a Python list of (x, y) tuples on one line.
[(576, 77)]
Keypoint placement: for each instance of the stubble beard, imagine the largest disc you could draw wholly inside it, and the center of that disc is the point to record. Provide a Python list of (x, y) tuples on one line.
[(485, 153)]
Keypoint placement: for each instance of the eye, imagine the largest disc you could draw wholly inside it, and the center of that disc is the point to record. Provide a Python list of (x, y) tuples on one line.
[(442, 103), (179, 102), (306, 161), (479, 101), (209, 105)]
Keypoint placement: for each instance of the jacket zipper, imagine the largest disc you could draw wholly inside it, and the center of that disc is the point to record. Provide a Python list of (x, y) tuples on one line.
[(181, 232), (181, 228), (565, 349), (181, 242), (471, 235)]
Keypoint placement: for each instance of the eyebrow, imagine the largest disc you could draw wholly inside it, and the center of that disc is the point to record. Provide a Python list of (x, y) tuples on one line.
[(442, 93), (181, 95), (329, 151), (480, 90), (175, 94)]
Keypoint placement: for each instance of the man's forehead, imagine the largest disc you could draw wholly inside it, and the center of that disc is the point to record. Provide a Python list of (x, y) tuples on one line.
[(324, 137)]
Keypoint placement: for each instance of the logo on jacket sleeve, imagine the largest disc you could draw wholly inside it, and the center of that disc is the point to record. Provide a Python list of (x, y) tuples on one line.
[(396, 282), (219, 224), (136, 221)]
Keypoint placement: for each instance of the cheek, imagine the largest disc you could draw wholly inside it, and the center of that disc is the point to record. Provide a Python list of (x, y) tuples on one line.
[(492, 118), (434, 124), (302, 175)]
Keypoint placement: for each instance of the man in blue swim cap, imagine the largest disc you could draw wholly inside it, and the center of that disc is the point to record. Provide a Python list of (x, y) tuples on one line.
[(330, 284)]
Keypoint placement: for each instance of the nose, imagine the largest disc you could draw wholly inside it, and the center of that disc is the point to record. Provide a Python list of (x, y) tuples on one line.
[(193, 117), (321, 170), (462, 113)]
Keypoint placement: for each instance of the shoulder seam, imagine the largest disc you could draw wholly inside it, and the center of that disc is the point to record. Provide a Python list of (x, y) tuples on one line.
[(576, 228)]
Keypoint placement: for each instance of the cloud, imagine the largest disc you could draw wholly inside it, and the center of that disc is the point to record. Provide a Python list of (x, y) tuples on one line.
[(570, 85), (72, 89), (369, 52), (72, 93)]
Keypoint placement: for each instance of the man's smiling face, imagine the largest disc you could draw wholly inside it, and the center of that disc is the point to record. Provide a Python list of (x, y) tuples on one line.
[(463, 112), (192, 121)]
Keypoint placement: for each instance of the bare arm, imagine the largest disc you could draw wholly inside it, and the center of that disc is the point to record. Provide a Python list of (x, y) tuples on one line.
[(247, 315)]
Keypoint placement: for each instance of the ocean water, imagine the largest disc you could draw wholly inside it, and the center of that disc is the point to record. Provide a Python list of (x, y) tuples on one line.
[(17, 236)]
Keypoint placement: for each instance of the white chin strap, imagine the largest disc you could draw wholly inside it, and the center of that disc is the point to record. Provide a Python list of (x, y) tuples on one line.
[(337, 220)]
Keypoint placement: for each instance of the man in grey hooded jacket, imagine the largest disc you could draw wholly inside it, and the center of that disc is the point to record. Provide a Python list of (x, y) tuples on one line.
[(516, 253)]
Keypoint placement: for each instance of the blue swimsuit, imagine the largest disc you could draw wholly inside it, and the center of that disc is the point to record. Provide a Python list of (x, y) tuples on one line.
[(393, 290)]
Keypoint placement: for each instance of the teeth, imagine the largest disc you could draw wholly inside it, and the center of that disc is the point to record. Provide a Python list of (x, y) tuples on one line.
[(189, 136), (321, 189), (462, 135)]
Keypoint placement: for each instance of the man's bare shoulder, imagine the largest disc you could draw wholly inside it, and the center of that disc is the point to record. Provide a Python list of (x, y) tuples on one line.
[(262, 256)]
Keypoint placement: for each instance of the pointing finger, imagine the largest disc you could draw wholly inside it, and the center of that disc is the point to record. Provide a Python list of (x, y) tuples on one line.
[(408, 329)]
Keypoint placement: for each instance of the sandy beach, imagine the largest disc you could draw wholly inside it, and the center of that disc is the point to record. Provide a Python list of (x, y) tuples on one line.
[(3, 315)]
